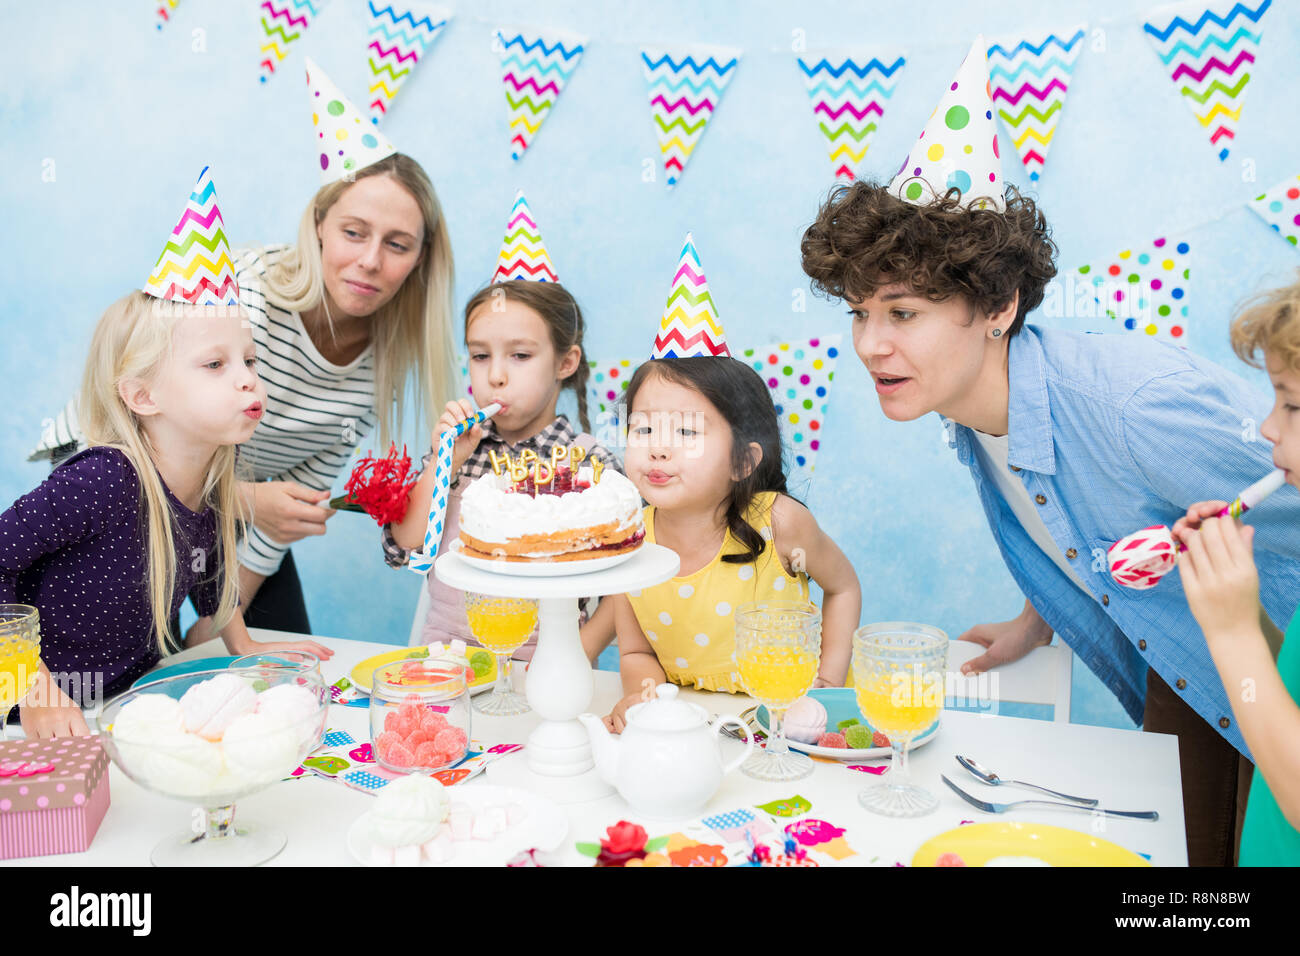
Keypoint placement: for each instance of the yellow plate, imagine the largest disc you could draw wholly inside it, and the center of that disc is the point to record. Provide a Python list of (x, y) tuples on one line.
[(485, 674), (977, 843)]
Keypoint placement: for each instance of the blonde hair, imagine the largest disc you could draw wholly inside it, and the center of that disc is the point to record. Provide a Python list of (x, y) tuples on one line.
[(410, 332), (133, 340), (1270, 323)]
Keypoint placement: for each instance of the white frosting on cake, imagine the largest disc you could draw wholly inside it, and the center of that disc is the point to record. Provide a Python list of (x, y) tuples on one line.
[(491, 513)]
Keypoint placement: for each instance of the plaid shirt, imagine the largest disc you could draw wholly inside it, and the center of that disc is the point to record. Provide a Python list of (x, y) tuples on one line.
[(479, 463)]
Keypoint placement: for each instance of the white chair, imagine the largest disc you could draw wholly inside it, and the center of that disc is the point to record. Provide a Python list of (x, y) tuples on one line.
[(1040, 677), (421, 612)]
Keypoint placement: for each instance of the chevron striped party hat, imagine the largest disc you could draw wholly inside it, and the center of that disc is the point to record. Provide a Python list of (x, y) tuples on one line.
[(195, 264), (523, 254), (690, 326), (346, 140), (959, 145)]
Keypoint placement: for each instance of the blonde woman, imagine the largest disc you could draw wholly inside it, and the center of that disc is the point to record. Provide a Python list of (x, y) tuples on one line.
[(342, 323)]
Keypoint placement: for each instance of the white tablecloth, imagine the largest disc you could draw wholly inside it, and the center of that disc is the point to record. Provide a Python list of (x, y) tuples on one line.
[(1124, 769)]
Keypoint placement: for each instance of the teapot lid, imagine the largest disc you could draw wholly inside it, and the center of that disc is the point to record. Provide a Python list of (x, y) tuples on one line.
[(665, 712)]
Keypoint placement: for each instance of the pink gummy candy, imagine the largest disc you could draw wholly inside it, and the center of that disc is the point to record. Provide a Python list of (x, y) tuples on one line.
[(428, 755), (452, 740), (390, 720), (831, 740), (412, 700), (432, 722), (386, 740), (399, 755), (949, 859), (419, 737), (405, 725)]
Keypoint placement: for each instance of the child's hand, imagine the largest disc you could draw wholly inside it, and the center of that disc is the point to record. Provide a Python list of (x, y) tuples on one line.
[(272, 647), (617, 718), (1219, 578), (55, 715), (1185, 526), (455, 413)]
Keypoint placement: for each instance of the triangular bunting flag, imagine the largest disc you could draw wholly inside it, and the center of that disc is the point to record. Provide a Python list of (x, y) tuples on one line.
[(1029, 78), (1143, 290), (685, 85), (523, 254), (346, 144), (958, 149), (535, 66), (690, 325), (1280, 208), (400, 35), (848, 94), (165, 10), (195, 265), (283, 22), (1209, 50)]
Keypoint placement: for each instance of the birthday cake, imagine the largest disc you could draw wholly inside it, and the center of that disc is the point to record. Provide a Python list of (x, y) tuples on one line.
[(534, 510)]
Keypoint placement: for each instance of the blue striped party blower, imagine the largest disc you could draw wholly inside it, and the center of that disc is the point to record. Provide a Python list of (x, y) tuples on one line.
[(421, 562)]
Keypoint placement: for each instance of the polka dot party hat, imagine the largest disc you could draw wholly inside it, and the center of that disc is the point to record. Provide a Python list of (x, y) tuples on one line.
[(690, 326), (959, 145), (523, 254), (345, 140), (195, 264)]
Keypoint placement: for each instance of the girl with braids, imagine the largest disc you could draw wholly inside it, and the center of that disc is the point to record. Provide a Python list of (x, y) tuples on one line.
[(704, 449), (524, 340)]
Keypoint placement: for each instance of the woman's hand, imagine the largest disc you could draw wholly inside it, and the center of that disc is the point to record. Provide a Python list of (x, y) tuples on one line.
[(1190, 522), (455, 413), (286, 511), (1220, 580), (1006, 641)]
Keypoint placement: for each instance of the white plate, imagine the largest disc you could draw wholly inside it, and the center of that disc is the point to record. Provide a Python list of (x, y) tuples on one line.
[(840, 703), (542, 569), (544, 828)]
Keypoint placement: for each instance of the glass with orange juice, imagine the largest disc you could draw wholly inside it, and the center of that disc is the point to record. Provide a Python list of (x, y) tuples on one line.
[(20, 655), (898, 676), (502, 625)]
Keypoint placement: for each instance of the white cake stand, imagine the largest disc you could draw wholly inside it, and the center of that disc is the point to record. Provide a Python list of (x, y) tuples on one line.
[(557, 760)]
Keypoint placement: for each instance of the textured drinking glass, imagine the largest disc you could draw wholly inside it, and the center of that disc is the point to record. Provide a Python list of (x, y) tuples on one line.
[(20, 655), (502, 625), (898, 676), (778, 651)]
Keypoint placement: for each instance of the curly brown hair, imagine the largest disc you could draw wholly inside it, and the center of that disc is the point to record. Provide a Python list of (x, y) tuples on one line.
[(865, 238)]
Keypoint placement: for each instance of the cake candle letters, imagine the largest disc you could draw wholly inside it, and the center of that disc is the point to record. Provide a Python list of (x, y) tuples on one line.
[(543, 475), (500, 463), (576, 454), (597, 466), (558, 454)]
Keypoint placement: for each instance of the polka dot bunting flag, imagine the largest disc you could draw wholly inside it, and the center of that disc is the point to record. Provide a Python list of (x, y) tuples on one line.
[(799, 375), (959, 146), (345, 141), (1280, 208), (1143, 289)]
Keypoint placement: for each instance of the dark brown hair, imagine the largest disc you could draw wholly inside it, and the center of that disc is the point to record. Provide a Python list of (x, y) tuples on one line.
[(563, 318), (865, 238), (744, 400)]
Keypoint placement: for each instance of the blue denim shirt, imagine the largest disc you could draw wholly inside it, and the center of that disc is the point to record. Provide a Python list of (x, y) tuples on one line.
[(1117, 433)]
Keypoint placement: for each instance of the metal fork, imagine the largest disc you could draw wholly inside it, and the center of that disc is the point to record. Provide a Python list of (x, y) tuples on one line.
[(746, 716), (1004, 807)]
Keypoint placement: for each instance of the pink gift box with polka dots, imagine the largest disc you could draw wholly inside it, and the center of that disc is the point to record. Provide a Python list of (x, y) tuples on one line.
[(53, 795)]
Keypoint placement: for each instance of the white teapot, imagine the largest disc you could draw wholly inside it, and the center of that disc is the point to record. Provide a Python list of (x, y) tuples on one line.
[(667, 763)]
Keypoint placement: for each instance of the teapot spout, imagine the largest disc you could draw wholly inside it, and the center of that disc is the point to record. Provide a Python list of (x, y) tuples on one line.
[(604, 746)]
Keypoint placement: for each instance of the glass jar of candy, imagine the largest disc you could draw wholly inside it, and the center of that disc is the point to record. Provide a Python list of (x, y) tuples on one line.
[(420, 715)]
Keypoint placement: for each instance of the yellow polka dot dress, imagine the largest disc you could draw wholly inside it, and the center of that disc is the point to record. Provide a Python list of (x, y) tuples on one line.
[(690, 621)]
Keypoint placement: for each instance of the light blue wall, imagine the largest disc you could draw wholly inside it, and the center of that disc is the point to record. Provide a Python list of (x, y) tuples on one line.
[(129, 115)]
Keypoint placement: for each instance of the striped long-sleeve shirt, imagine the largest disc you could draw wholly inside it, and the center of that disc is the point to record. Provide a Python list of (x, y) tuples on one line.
[(316, 412)]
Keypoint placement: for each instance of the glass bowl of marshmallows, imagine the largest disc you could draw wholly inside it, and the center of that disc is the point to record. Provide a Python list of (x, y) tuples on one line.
[(211, 738)]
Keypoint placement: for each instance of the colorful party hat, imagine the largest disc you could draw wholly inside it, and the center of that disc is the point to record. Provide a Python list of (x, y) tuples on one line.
[(347, 142), (523, 254), (195, 264), (959, 145), (690, 326)]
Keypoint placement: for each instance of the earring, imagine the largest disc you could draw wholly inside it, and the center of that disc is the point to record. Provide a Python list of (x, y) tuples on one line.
[(997, 333)]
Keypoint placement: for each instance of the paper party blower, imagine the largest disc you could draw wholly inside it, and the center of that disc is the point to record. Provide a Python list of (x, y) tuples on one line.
[(283, 22), (959, 146), (1141, 559), (345, 141), (523, 254), (690, 326), (400, 35), (195, 264), (1209, 50)]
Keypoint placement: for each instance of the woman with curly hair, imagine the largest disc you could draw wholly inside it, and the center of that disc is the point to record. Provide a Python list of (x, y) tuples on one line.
[(1073, 440)]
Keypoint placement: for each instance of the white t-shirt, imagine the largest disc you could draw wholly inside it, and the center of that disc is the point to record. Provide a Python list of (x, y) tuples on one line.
[(1013, 491)]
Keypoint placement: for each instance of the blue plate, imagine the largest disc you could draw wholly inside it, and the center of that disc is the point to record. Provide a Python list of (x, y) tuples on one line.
[(841, 703), (185, 667)]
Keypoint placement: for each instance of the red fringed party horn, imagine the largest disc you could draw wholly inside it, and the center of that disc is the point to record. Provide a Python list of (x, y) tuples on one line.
[(1141, 559), (380, 487)]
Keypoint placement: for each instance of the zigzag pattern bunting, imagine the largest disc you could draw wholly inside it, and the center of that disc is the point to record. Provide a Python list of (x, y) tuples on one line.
[(534, 70), (195, 264), (1028, 81), (165, 10), (523, 254), (848, 96), (283, 22), (1280, 208), (399, 37), (1210, 51), (685, 86)]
